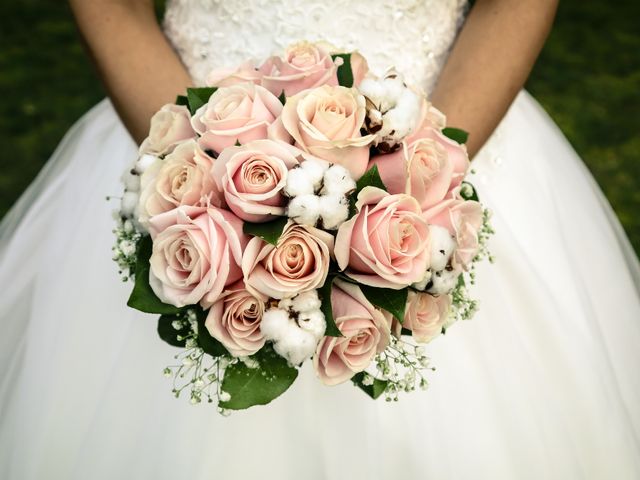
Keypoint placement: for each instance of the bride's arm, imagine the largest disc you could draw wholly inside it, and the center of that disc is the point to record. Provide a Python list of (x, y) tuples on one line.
[(490, 62), (139, 68)]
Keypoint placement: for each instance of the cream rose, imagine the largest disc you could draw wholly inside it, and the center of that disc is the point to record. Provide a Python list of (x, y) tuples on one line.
[(234, 320), (326, 122), (226, 77), (425, 315), (299, 263), (386, 244), (184, 177), (238, 113), (252, 177), (196, 253), (169, 126), (365, 330)]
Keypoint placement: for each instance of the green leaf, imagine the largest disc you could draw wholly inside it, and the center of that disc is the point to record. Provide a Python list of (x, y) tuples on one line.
[(375, 390), (327, 309), (209, 344), (182, 100), (282, 97), (198, 97), (345, 74), (269, 231), (257, 386), (170, 334), (393, 301), (456, 134), (469, 196), (142, 297), (406, 331), (371, 178)]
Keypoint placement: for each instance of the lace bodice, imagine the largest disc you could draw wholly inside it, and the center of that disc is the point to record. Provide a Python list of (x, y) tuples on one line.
[(413, 35)]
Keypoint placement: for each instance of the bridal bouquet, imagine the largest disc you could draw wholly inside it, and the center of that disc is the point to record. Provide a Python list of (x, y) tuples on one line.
[(302, 210)]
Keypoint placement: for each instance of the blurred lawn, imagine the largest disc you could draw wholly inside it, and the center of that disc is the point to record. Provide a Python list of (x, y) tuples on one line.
[(588, 79)]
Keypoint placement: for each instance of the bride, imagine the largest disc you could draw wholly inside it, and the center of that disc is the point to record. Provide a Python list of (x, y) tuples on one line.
[(543, 383)]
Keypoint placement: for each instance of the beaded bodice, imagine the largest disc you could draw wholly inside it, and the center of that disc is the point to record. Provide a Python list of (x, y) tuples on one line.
[(415, 36)]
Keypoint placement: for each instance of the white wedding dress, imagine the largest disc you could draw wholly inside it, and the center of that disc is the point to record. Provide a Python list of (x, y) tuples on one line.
[(542, 384)]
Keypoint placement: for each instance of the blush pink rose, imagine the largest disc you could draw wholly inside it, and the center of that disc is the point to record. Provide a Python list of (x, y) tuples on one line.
[(365, 330), (326, 122), (299, 263), (304, 65), (169, 126), (463, 219), (183, 178), (252, 177), (425, 315), (386, 244), (196, 253), (234, 320), (421, 169), (228, 76), (238, 113)]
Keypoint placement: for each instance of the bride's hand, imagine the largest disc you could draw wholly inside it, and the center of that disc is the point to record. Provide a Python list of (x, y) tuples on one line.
[(139, 68), (490, 62)]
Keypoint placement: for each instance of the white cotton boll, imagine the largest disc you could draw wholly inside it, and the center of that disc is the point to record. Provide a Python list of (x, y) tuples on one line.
[(444, 281), (422, 284), (286, 303), (296, 345), (313, 322), (304, 209), (299, 182), (131, 181), (129, 204), (334, 210), (338, 180), (372, 88), (306, 301), (442, 247), (315, 169), (274, 324), (144, 162)]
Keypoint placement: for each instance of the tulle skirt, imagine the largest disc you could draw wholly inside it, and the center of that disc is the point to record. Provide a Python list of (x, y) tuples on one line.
[(542, 383)]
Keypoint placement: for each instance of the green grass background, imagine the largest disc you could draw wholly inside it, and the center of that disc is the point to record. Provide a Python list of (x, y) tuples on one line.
[(587, 78)]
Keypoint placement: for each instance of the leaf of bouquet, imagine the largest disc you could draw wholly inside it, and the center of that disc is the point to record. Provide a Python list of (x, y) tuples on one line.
[(327, 309), (182, 100), (257, 386), (269, 231), (345, 74), (456, 134), (142, 297), (198, 97), (464, 192), (371, 178), (393, 301), (374, 390), (209, 344), (282, 97), (170, 334)]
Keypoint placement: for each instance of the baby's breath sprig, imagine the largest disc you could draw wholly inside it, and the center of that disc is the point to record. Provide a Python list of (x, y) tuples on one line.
[(125, 248)]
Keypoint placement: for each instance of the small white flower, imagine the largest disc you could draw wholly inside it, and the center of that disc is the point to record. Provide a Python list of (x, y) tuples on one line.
[(224, 396)]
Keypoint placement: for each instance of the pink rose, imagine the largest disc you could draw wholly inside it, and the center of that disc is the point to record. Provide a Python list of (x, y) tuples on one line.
[(183, 178), (227, 76), (299, 263), (365, 333), (425, 315), (386, 244), (463, 219), (304, 65), (326, 122), (421, 169), (196, 253), (359, 68), (234, 320), (169, 126), (238, 113), (252, 177)]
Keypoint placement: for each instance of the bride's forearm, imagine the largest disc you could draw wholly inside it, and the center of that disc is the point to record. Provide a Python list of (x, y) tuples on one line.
[(490, 63), (139, 68)]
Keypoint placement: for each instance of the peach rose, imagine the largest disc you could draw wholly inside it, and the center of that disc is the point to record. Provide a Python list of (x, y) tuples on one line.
[(252, 177), (183, 178), (234, 320), (238, 113), (365, 331), (326, 122), (386, 244), (299, 263), (196, 253), (169, 126), (228, 76), (304, 65), (425, 315), (421, 169), (463, 219)]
